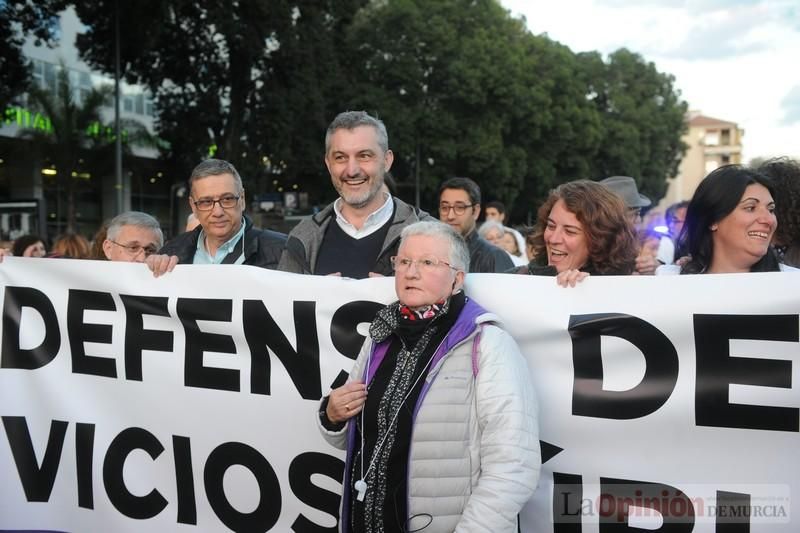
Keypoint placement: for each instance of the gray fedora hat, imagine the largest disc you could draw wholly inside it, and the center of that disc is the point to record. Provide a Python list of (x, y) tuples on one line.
[(625, 188)]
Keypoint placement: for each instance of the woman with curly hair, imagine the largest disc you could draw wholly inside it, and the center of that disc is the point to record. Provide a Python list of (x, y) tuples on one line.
[(582, 229), (729, 225), (785, 176)]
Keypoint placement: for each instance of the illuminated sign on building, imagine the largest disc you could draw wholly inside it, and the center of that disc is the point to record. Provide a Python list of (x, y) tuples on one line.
[(28, 119)]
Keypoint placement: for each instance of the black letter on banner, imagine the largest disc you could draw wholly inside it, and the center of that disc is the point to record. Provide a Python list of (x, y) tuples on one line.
[(716, 370), (187, 506), (344, 336), (80, 332), (660, 376), (13, 356), (84, 459), (268, 510), (733, 512), (138, 339), (263, 335), (37, 482), (300, 472), (567, 503), (617, 496), (132, 506), (190, 310)]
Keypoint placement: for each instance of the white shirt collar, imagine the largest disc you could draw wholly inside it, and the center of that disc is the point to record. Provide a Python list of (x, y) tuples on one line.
[(373, 222)]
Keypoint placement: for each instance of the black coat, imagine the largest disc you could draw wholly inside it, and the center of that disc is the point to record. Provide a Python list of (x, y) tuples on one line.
[(485, 257), (262, 248)]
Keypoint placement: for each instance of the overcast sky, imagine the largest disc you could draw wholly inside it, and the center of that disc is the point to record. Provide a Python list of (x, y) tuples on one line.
[(736, 60)]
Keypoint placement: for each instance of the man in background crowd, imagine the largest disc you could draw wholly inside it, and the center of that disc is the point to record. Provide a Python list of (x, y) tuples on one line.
[(625, 188), (191, 222), (496, 210), (460, 206), (668, 249)]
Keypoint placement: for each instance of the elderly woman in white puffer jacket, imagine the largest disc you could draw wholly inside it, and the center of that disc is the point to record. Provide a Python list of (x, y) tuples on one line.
[(439, 416)]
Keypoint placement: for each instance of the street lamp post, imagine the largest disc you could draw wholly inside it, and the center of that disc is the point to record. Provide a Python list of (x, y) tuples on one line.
[(117, 133), (176, 190), (416, 177)]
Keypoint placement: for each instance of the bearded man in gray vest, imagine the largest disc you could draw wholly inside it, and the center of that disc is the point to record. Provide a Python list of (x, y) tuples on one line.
[(357, 234)]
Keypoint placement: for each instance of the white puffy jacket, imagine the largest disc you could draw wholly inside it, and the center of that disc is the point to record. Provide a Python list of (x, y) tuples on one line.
[(474, 456)]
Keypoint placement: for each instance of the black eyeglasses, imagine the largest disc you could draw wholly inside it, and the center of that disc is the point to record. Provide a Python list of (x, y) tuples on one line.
[(135, 249), (458, 208), (226, 202)]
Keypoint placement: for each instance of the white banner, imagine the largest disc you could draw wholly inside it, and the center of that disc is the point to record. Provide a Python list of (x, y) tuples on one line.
[(187, 402)]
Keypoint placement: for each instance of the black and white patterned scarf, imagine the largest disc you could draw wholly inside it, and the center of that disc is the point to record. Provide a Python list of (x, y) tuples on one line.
[(419, 324)]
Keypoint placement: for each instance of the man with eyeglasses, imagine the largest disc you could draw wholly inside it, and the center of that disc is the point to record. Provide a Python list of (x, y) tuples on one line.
[(225, 235), (668, 249), (132, 237), (356, 235), (459, 207)]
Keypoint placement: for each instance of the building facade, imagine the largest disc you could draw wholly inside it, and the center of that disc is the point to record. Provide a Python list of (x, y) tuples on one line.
[(711, 143), (32, 196)]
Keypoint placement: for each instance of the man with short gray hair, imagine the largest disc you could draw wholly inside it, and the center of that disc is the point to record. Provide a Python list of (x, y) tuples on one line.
[(356, 235), (225, 235), (132, 237)]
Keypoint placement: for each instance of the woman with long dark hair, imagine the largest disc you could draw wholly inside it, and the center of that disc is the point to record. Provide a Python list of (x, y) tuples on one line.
[(784, 173), (729, 224)]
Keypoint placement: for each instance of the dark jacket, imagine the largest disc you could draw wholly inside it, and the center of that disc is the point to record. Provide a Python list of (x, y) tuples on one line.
[(305, 239), (262, 248), (534, 269), (485, 257)]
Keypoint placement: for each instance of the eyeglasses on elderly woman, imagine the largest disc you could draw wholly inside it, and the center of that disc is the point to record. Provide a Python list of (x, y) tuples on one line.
[(424, 264)]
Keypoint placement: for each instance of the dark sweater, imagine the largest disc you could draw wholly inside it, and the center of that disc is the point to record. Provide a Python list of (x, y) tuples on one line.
[(352, 257)]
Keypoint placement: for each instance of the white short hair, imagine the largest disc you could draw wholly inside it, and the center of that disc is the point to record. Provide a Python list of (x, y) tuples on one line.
[(134, 218), (490, 225), (458, 254)]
